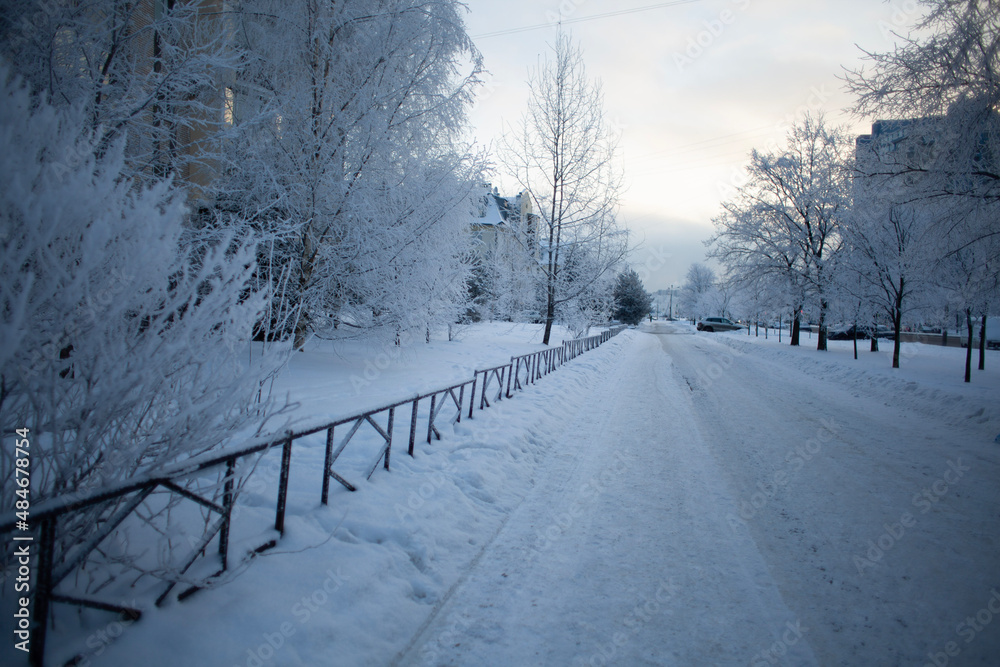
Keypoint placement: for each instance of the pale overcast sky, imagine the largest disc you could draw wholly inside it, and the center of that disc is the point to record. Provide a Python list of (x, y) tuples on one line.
[(693, 86)]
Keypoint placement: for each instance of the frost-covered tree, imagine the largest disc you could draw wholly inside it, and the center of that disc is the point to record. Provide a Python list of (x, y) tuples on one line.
[(946, 76), (755, 302), (346, 153), (632, 302), (968, 275), (785, 221), (589, 292), (891, 250), (512, 289), (703, 295), (949, 69), (563, 155), (123, 344), (143, 71), (506, 266), (856, 297), (330, 130), (698, 289), (765, 258)]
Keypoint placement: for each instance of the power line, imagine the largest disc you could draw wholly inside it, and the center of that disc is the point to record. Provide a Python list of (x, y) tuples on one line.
[(581, 19), (706, 151), (684, 148), (775, 129)]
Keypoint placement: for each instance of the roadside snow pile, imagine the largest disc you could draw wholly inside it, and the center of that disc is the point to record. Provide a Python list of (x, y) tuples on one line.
[(362, 574), (930, 379)]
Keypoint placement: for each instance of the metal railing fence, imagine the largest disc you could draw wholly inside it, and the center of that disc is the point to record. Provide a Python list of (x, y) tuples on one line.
[(490, 385)]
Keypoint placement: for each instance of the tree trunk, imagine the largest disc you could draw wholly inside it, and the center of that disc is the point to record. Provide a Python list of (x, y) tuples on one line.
[(874, 347), (968, 347), (302, 321), (301, 330), (550, 277), (821, 343), (796, 326), (982, 343), (306, 267), (897, 322), (897, 325), (944, 327), (550, 310)]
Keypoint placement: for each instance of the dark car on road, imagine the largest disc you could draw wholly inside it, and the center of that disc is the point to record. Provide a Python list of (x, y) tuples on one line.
[(848, 333), (863, 333), (717, 324)]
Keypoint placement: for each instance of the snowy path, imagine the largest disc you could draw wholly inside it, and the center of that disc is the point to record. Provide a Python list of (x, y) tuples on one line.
[(706, 506), (621, 554)]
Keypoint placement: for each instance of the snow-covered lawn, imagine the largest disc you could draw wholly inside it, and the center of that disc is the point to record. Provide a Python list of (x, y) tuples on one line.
[(663, 499), (327, 381)]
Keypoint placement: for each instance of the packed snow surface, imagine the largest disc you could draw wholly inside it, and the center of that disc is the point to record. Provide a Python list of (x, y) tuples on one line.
[(670, 498)]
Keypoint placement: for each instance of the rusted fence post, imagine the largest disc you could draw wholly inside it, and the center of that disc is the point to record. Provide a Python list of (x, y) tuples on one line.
[(227, 505), (327, 463), (482, 397), (430, 418), (472, 401), (43, 592), (286, 463), (388, 430), (413, 425)]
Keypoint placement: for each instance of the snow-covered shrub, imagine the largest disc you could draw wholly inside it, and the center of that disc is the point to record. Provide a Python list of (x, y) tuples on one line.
[(123, 340)]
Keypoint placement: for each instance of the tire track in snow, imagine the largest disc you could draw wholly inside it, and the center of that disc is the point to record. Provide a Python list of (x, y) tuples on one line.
[(905, 603)]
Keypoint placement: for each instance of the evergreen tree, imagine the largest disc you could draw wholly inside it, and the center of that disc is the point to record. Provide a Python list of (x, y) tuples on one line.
[(632, 302)]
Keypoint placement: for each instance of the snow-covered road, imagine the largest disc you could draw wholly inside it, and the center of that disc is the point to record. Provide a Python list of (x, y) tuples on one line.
[(709, 506), (878, 522)]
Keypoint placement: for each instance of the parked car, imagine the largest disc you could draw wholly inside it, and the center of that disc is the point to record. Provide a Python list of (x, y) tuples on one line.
[(864, 333), (847, 333), (992, 333), (717, 324)]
